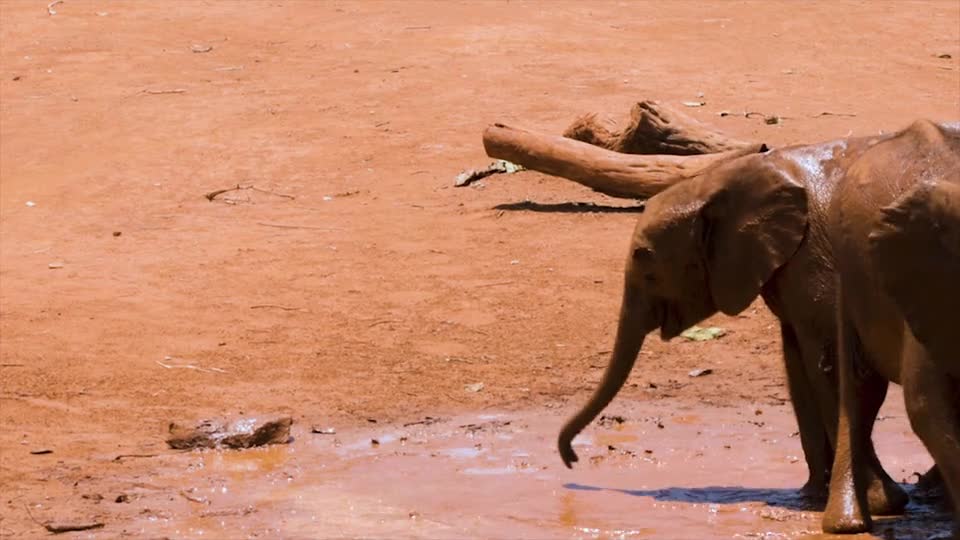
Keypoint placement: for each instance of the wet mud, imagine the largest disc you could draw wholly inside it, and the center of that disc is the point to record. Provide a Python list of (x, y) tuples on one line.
[(664, 470)]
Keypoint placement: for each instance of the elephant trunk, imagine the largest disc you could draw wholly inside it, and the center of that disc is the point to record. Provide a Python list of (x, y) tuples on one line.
[(636, 319)]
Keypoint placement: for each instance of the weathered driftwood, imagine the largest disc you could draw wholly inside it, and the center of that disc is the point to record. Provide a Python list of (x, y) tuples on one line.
[(612, 173), (653, 128)]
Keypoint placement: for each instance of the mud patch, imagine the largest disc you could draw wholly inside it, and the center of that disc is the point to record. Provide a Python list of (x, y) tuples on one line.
[(709, 473)]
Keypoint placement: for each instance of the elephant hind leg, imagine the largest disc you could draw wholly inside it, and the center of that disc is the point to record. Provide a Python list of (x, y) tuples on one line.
[(931, 402), (817, 449)]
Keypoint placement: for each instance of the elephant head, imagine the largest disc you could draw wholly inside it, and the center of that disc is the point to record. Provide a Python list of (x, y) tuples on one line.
[(703, 245)]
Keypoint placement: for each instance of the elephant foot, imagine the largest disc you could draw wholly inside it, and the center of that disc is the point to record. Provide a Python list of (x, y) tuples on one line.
[(931, 480), (886, 498), (814, 492), (845, 524), (843, 515)]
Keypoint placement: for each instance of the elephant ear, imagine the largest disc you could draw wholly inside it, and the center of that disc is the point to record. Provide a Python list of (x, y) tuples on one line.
[(915, 248), (753, 223)]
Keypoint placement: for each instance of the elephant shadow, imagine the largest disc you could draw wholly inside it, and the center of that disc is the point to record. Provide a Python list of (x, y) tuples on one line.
[(926, 517), (788, 498), (569, 208)]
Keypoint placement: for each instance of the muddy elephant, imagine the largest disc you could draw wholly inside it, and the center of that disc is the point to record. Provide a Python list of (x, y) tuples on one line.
[(740, 228), (894, 227)]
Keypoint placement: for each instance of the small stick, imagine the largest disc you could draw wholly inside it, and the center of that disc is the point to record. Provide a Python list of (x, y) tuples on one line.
[(172, 91), (285, 226), (494, 284), (828, 113), (121, 457), (275, 306), (50, 10), (213, 194), (191, 366), (384, 321), (193, 498), (57, 528)]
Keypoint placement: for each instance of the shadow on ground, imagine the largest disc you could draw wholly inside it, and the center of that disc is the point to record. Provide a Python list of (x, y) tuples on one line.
[(569, 208)]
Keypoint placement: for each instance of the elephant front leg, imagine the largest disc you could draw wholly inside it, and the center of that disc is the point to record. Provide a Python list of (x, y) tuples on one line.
[(817, 449), (847, 509)]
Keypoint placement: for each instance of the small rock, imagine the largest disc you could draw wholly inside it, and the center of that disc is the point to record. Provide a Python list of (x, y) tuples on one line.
[(700, 372), (16, 77), (323, 431), (55, 265), (41, 452), (95, 497), (122, 498), (475, 387), (693, 103), (117, 233), (31, 204), (374, 442), (944, 56), (201, 48)]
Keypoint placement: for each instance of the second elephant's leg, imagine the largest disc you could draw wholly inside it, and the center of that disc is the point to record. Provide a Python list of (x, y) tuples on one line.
[(813, 436), (847, 510), (930, 394), (884, 496)]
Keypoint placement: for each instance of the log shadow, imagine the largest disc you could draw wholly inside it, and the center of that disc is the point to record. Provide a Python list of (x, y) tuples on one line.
[(569, 208)]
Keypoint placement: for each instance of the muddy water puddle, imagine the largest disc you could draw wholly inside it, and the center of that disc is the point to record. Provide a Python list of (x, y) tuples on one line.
[(664, 472)]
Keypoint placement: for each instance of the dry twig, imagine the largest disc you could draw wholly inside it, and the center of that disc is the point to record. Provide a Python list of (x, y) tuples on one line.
[(285, 226), (275, 306), (122, 457), (213, 194), (57, 528), (171, 91), (191, 366), (50, 10)]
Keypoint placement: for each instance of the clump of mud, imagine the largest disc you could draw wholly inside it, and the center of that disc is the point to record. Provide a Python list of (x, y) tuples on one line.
[(239, 433)]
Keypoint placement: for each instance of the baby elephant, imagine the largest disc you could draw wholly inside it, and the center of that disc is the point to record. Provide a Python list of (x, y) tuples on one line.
[(894, 226)]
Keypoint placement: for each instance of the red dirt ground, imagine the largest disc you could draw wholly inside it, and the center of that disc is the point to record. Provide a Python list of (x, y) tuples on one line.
[(356, 283)]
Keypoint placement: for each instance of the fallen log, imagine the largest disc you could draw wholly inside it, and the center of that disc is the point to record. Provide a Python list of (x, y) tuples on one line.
[(653, 128), (612, 173)]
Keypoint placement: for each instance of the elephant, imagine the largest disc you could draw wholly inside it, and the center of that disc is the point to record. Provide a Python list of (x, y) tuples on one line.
[(744, 227), (894, 229)]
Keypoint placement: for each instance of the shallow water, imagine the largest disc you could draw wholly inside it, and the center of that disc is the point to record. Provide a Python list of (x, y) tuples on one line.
[(707, 473)]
